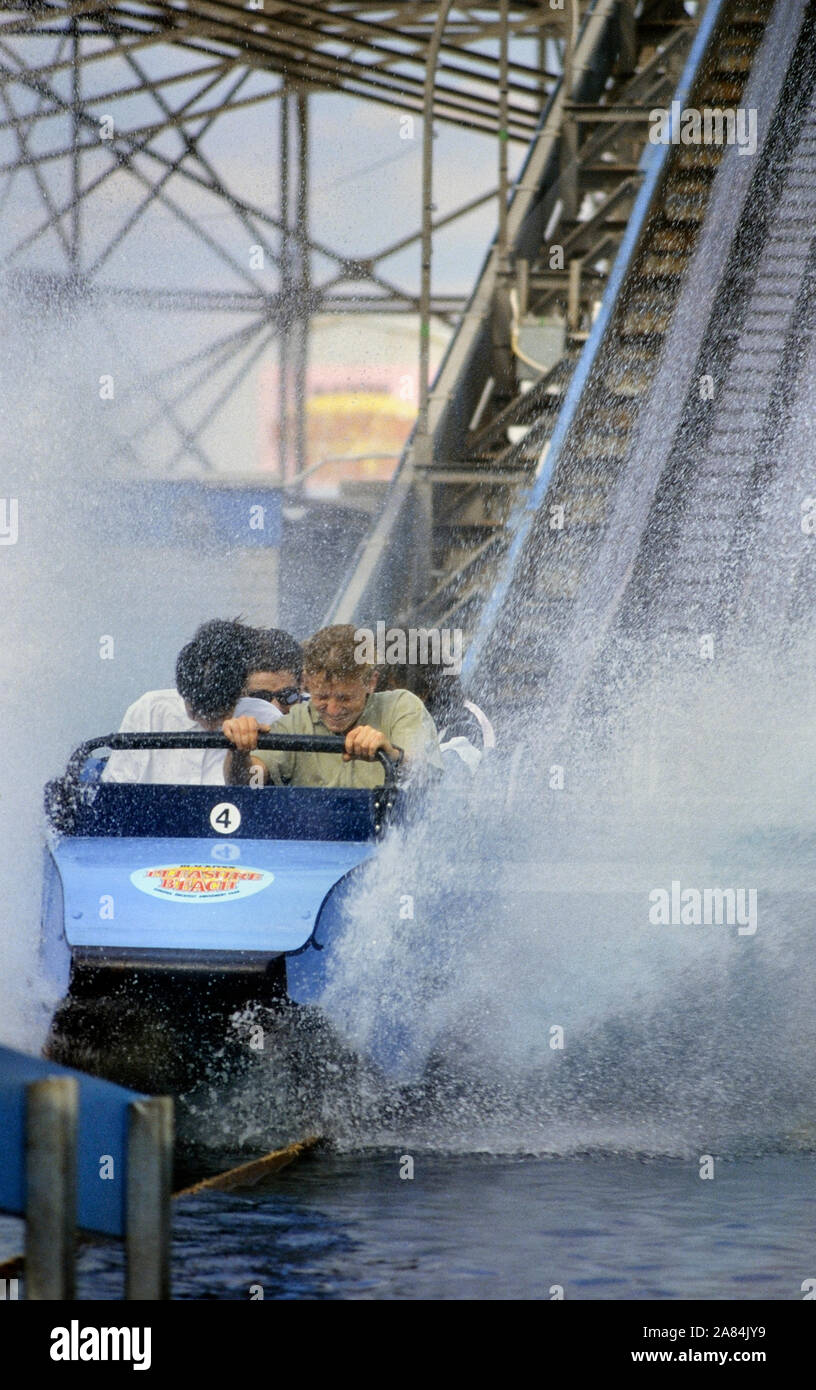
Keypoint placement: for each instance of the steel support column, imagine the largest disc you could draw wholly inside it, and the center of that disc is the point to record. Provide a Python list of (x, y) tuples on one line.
[(504, 375), (284, 328), (423, 443), (303, 284), (76, 170)]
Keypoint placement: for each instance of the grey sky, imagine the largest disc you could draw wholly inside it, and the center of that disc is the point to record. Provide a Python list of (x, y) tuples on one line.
[(365, 193)]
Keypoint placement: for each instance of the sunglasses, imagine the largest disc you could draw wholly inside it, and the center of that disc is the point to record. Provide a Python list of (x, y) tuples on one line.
[(288, 696)]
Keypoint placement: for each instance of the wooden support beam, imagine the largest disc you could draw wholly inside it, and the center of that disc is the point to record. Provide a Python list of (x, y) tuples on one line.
[(51, 1132), (149, 1182)]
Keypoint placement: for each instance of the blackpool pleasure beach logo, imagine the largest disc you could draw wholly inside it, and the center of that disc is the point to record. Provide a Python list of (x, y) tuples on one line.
[(200, 882)]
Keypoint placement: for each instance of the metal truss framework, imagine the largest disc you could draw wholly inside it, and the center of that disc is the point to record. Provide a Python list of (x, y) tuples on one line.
[(484, 437), (77, 81)]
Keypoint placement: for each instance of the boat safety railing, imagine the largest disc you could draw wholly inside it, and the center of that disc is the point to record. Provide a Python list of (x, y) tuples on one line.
[(282, 743)]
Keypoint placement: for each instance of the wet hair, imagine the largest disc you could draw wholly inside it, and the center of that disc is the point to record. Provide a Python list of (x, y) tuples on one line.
[(272, 649), (212, 669), (441, 694), (333, 654)]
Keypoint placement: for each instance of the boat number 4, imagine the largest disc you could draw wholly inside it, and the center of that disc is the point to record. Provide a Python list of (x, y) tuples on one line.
[(225, 818)]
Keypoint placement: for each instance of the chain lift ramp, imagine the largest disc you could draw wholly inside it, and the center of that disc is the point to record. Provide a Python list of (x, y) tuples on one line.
[(440, 540)]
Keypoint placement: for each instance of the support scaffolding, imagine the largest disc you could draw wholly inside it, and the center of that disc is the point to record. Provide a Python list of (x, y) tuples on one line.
[(124, 99)]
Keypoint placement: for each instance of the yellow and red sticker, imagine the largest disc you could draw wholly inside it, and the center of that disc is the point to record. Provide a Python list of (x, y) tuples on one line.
[(200, 882)]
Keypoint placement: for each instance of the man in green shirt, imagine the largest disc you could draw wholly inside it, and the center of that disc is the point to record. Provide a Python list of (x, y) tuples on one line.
[(342, 701)]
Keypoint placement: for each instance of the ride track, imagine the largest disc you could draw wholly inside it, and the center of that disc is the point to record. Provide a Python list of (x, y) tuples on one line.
[(611, 507), (671, 487)]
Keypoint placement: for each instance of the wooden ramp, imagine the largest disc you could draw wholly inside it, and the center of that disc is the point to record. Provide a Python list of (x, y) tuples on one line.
[(250, 1174)]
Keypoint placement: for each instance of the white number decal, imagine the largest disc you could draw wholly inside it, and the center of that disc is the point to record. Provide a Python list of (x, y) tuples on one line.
[(225, 818)]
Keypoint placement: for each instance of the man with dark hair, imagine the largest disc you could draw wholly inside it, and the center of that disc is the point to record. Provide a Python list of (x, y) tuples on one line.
[(275, 668), (342, 700), (212, 671)]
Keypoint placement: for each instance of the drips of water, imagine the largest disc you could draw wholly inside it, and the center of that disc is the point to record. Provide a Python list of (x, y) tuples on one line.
[(94, 607), (493, 923), (490, 922)]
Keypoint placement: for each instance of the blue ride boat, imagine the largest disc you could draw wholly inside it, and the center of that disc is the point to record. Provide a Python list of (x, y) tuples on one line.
[(168, 908)]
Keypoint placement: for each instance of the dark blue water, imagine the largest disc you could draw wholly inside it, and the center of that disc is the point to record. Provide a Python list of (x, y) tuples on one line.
[(467, 1227)]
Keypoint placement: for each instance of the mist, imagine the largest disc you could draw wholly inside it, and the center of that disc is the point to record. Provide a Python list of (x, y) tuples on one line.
[(98, 592)]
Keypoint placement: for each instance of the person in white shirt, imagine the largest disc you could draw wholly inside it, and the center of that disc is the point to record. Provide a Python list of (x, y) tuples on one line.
[(226, 669), (465, 732)]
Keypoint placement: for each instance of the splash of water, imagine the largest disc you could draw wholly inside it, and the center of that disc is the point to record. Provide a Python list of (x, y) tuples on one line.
[(501, 947), (94, 606), (529, 900)]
